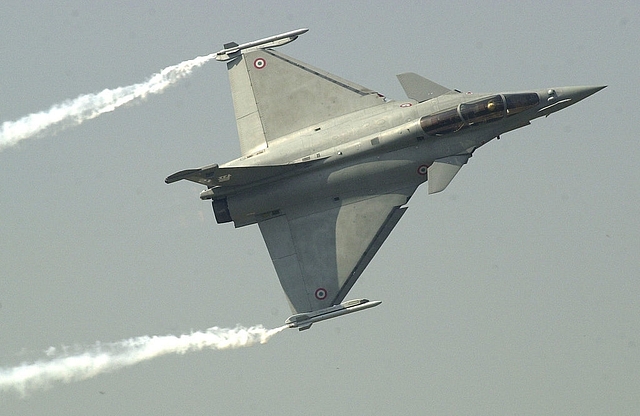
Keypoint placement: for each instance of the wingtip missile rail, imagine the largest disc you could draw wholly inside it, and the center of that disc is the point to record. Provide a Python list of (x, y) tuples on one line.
[(231, 50), (304, 320)]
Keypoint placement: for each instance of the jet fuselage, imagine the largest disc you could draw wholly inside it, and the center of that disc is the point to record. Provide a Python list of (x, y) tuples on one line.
[(383, 148), (328, 166)]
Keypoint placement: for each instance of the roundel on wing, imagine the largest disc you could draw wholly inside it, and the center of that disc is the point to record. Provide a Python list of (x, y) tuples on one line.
[(321, 293), (259, 63)]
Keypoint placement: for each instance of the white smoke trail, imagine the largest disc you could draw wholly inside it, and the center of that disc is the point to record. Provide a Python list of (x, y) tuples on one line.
[(101, 358), (85, 107)]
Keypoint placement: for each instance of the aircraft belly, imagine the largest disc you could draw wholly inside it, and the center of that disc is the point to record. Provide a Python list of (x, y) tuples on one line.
[(352, 181)]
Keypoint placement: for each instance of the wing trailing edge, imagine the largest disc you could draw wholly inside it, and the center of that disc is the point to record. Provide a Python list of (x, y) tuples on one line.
[(235, 176)]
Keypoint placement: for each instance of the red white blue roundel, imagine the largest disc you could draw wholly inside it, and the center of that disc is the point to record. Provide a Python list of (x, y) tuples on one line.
[(321, 293), (259, 63)]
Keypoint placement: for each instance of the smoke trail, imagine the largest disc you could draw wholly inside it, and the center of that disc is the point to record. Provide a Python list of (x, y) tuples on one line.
[(85, 107), (101, 358)]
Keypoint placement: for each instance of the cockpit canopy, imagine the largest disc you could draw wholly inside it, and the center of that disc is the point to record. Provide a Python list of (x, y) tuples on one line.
[(478, 112)]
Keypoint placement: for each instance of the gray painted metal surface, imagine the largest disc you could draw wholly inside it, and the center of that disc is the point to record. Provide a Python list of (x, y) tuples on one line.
[(328, 165)]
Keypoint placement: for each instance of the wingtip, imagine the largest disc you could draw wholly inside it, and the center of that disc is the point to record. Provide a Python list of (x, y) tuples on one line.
[(180, 175)]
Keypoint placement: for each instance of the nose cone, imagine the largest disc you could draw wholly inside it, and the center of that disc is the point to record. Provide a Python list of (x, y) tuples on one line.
[(579, 93), (556, 99)]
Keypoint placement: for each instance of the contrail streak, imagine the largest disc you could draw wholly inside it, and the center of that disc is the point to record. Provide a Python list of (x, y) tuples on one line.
[(101, 358), (85, 107)]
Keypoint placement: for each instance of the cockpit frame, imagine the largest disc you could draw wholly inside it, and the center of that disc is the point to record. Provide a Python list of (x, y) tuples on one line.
[(478, 112)]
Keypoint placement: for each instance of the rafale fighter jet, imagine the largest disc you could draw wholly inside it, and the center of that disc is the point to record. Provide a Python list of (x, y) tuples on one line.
[(328, 166)]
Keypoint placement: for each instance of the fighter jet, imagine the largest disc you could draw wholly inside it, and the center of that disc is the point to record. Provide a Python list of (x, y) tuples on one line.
[(328, 166)]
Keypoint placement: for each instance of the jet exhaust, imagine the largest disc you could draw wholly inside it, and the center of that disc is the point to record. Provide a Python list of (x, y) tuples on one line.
[(102, 358), (85, 107)]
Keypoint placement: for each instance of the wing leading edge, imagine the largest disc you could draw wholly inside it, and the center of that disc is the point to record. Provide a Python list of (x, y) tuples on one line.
[(319, 252)]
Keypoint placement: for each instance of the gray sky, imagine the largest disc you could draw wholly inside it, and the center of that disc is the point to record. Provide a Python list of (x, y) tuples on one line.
[(514, 291)]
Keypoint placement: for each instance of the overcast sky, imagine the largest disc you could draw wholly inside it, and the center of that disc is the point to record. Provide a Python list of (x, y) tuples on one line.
[(514, 291)]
